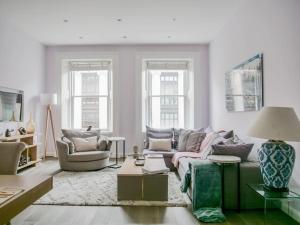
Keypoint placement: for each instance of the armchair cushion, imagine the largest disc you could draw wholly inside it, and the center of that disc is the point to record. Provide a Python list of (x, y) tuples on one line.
[(85, 144), (69, 134), (88, 156)]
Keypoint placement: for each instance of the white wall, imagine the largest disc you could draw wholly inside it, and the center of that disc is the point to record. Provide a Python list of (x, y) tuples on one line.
[(270, 27), (127, 83), (22, 66)]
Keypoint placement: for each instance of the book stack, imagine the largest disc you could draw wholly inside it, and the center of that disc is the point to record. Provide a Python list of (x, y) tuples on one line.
[(153, 166), (23, 160)]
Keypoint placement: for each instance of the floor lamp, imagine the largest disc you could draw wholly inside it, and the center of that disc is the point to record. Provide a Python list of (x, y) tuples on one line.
[(49, 100)]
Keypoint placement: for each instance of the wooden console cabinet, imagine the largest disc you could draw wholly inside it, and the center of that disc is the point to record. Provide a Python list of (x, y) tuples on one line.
[(29, 155)]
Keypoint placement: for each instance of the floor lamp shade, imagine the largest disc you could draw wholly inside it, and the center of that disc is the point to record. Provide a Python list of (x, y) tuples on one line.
[(48, 99), (276, 158)]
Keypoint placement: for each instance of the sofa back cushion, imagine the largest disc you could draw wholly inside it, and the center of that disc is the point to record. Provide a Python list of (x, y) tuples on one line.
[(157, 134), (71, 133)]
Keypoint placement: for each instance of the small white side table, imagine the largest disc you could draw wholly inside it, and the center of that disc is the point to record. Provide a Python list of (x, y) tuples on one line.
[(228, 159), (117, 140)]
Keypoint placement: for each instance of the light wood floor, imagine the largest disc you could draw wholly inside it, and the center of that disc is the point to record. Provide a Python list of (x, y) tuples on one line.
[(103, 215)]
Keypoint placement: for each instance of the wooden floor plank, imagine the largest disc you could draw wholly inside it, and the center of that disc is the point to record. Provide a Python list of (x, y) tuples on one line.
[(128, 215)]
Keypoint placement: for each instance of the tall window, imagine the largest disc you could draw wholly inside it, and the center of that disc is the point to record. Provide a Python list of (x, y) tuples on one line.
[(91, 99), (166, 88)]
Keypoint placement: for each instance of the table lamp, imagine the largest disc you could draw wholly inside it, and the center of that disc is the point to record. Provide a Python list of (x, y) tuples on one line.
[(49, 99), (276, 158)]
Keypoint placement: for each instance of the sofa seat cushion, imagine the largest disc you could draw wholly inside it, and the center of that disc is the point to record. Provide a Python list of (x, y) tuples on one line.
[(88, 156), (166, 154)]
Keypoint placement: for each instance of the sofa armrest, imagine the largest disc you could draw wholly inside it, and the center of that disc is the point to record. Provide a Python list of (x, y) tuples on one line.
[(62, 149)]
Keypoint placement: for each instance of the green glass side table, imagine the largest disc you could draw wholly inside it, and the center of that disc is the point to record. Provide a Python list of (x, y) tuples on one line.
[(274, 196), (223, 160)]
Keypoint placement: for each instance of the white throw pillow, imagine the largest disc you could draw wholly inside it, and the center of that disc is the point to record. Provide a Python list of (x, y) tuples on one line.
[(160, 144), (85, 144)]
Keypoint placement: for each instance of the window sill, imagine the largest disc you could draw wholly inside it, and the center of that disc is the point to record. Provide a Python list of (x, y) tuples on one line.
[(106, 132)]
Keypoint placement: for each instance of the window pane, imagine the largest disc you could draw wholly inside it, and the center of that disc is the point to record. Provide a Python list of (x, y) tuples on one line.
[(155, 81), (103, 113), (90, 111), (90, 82), (180, 80), (155, 112), (181, 112), (167, 111), (171, 111), (103, 82), (77, 113), (166, 82)]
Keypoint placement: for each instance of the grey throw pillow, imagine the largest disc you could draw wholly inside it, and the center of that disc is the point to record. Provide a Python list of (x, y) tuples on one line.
[(235, 140), (226, 134), (176, 138), (239, 150), (183, 137), (102, 144), (157, 134), (194, 142)]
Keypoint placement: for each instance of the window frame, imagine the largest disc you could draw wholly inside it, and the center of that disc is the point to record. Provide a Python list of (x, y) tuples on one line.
[(147, 86), (109, 95)]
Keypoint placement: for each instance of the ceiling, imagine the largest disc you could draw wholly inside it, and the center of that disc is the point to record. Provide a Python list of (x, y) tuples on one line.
[(61, 22)]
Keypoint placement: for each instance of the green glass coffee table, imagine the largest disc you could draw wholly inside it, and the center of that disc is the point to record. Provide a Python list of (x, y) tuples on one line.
[(267, 195)]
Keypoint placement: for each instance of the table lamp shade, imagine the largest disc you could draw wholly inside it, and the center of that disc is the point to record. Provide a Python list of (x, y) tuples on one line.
[(276, 123), (48, 99)]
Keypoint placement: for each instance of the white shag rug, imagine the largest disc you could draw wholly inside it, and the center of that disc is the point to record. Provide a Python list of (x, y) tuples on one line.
[(99, 188)]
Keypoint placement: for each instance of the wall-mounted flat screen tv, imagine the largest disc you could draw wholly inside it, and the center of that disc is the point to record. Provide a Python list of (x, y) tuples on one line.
[(11, 104)]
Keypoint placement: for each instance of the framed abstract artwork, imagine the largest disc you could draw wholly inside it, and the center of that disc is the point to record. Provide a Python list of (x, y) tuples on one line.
[(244, 86)]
